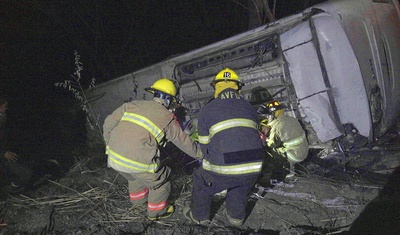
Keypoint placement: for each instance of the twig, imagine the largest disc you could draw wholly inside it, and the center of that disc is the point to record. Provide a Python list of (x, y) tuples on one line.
[(342, 206), (327, 220)]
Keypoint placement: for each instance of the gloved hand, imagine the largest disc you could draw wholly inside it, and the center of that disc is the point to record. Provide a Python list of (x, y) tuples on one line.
[(191, 129), (282, 151), (195, 136), (264, 122), (264, 127), (199, 154)]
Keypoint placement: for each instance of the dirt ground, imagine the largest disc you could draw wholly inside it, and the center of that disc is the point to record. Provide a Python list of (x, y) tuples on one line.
[(327, 197)]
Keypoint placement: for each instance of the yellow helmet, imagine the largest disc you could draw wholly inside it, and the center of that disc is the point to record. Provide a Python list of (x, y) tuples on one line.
[(270, 107), (274, 106), (164, 85), (227, 74), (264, 122)]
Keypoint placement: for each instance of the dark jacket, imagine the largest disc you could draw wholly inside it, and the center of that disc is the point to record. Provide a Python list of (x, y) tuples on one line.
[(228, 135)]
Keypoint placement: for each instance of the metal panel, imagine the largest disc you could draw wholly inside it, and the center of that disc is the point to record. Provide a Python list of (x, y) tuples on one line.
[(307, 78), (343, 72)]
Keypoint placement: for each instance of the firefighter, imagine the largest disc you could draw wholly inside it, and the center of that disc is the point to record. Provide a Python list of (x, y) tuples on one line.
[(232, 150), (19, 174), (134, 134), (285, 138), (23, 175)]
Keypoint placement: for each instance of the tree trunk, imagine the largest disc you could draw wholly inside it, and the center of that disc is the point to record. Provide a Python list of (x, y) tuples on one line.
[(260, 13)]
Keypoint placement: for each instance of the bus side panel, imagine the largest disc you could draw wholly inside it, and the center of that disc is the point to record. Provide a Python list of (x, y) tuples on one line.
[(344, 74), (387, 27), (305, 72), (105, 98), (374, 33)]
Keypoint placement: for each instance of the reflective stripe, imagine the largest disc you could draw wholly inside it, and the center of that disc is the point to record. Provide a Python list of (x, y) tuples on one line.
[(291, 157), (125, 162), (230, 123), (288, 154), (295, 142), (139, 195), (203, 139), (157, 206), (145, 123), (239, 169), (281, 151)]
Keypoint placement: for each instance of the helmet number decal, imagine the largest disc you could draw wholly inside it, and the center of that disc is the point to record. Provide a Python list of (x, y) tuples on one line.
[(227, 74)]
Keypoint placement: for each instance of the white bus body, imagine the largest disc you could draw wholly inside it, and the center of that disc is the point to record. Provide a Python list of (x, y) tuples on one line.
[(336, 66)]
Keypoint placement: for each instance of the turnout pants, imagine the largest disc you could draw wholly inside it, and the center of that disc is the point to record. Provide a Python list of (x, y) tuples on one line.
[(206, 184), (275, 167), (153, 188)]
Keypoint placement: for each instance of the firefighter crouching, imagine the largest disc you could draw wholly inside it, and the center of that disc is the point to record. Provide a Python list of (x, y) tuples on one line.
[(134, 134), (232, 150), (286, 142)]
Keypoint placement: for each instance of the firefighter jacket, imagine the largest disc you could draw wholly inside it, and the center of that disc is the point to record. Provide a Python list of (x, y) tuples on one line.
[(288, 137), (135, 132), (228, 136)]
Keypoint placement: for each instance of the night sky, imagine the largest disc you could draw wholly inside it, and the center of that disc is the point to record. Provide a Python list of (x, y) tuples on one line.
[(112, 37)]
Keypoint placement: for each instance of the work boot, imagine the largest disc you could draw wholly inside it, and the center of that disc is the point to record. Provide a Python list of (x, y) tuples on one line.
[(167, 214), (233, 221), (289, 178), (187, 212), (291, 175)]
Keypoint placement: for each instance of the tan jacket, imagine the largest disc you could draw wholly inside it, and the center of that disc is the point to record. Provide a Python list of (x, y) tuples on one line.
[(131, 147), (288, 137)]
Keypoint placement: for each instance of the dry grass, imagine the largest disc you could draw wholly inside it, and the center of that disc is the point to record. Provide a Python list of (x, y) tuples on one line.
[(93, 199), (99, 196)]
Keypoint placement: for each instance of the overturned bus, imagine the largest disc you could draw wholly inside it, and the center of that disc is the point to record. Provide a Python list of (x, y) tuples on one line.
[(336, 67)]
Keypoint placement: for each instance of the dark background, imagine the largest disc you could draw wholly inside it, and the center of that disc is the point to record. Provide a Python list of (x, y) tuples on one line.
[(113, 38)]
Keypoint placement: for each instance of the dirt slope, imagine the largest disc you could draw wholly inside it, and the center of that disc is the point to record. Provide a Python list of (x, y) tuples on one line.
[(325, 198)]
